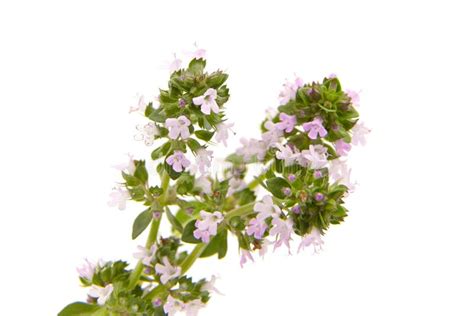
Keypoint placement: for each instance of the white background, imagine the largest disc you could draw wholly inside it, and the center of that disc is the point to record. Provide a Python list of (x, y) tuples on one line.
[(69, 70)]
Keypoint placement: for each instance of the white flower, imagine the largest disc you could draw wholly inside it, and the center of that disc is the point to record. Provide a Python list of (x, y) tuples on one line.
[(178, 127), (207, 225), (359, 134), (235, 185), (119, 197), (286, 154), (140, 107), (146, 255), (199, 53), (204, 184), (173, 306), (289, 90), (87, 270), (192, 307), (175, 64), (244, 257), (207, 101), (264, 248), (167, 271), (101, 293), (282, 229), (315, 157), (339, 172), (147, 133), (210, 286), (178, 161), (272, 136), (128, 167), (222, 132), (203, 160), (266, 208), (314, 239), (252, 148)]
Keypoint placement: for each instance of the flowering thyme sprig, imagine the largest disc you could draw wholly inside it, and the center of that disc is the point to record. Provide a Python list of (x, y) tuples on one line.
[(304, 177)]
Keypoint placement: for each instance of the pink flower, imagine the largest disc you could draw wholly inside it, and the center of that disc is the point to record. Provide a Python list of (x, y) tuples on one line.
[(207, 101), (266, 208), (175, 64), (222, 132), (140, 107), (252, 148), (192, 307), (178, 161), (87, 270), (146, 133), (173, 306), (244, 257), (315, 157), (119, 198), (354, 97), (314, 239), (256, 228), (207, 225), (289, 90), (314, 128), (146, 255), (263, 248), (286, 154), (101, 293), (359, 134), (342, 148), (203, 160), (178, 127), (287, 122), (128, 167), (167, 271), (282, 229)]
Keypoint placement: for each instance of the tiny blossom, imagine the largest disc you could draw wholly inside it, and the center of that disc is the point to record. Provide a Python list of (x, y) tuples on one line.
[(272, 136), (235, 185), (319, 197), (332, 76), (210, 286), (286, 191), (314, 239), (140, 107), (178, 161), (181, 103), (207, 101), (101, 293), (178, 127), (146, 255), (264, 248), (282, 229), (222, 132), (359, 134), (286, 154), (119, 197), (315, 157), (192, 307), (244, 257), (291, 177), (87, 270), (266, 208), (287, 122), (256, 228), (342, 148), (147, 133), (157, 302), (252, 148), (207, 225), (317, 174), (167, 271), (173, 306), (340, 173), (296, 209), (175, 64), (289, 90), (204, 184), (203, 160), (315, 128), (355, 98), (128, 167), (199, 53)]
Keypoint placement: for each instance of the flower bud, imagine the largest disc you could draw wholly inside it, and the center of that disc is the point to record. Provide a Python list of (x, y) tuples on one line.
[(319, 197), (156, 215), (286, 191), (157, 302), (181, 103), (296, 209), (291, 177), (318, 174)]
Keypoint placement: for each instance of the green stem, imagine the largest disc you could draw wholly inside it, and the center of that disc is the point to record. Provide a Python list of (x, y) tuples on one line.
[(240, 211), (192, 257)]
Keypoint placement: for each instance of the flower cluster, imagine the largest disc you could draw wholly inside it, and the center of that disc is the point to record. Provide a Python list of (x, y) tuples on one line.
[(299, 193)]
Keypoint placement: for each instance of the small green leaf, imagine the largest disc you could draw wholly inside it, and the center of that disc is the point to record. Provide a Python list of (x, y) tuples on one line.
[(276, 186), (141, 223), (216, 79), (188, 233), (196, 66), (79, 309), (161, 151), (174, 221), (218, 244), (193, 144), (140, 171), (130, 180), (204, 135)]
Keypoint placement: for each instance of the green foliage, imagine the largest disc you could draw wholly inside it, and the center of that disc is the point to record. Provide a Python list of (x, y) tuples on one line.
[(217, 244), (141, 222), (188, 233), (80, 309), (276, 186)]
